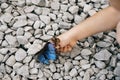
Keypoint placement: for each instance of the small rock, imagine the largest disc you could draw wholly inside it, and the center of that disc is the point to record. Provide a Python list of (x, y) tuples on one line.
[(4, 50), (17, 65), (73, 72), (36, 24), (52, 67), (117, 71), (32, 16), (85, 66), (68, 66), (113, 61), (3, 28), (6, 77), (86, 76), (34, 71), (45, 19), (103, 44), (1, 58), (7, 17), (55, 5), (1, 35), (19, 23), (36, 2), (11, 61), (86, 52), (24, 71), (73, 9), (17, 77), (56, 76), (103, 55), (63, 7), (22, 40), (100, 64), (46, 37), (29, 9), (27, 59), (87, 8), (20, 31), (20, 54), (40, 74), (33, 49)]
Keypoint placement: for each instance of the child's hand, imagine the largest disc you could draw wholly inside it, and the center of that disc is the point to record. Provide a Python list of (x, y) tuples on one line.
[(66, 43)]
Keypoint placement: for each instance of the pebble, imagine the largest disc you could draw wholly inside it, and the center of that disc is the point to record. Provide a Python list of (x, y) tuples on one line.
[(20, 31), (103, 44), (11, 60), (29, 9), (100, 64), (6, 77), (45, 19), (17, 65), (86, 76), (23, 70), (4, 51), (68, 66), (33, 49), (36, 2), (117, 71), (22, 40), (34, 71), (7, 17), (27, 59), (86, 52), (56, 76), (55, 5), (1, 35), (46, 37), (32, 16), (1, 57), (103, 55), (36, 24), (20, 54), (52, 67), (113, 61), (19, 23), (73, 9), (87, 8), (73, 72), (3, 28)]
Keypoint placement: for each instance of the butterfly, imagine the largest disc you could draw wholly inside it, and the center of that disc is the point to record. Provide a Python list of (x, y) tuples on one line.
[(48, 52)]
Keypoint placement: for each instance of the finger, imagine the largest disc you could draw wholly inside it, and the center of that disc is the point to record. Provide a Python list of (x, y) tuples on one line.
[(118, 33), (69, 48), (65, 49)]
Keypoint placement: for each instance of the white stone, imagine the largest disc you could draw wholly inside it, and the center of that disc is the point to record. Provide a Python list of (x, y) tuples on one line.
[(38, 10), (117, 71), (29, 9), (4, 5), (1, 35), (63, 7), (73, 72), (78, 19), (45, 19), (52, 16), (36, 24), (68, 66), (7, 17), (20, 54), (87, 8), (56, 76), (22, 40), (46, 37), (17, 77), (52, 67), (51, 33), (85, 66), (86, 52), (27, 59), (4, 50), (6, 77), (3, 28), (11, 61), (86, 76), (55, 26), (20, 31), (1, 57), (103, 44), (36, 2), (33, 49), (103, 55), (17, 65), (24, 71), (100, 64), (20, 23), (34, 71), (73, 9), (55, 5), (32, 16), (40, 74)]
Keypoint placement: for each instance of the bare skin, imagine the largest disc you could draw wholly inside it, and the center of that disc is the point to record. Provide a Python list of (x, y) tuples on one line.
[(104, 20)]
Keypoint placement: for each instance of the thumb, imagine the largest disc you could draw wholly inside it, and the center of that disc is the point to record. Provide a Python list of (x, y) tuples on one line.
[(118, 33)]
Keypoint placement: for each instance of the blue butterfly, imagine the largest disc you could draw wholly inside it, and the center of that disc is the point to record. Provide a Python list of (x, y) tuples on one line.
[(48, 52)]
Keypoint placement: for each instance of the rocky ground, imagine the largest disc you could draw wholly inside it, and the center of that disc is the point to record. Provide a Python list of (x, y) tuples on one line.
[(26, 24)]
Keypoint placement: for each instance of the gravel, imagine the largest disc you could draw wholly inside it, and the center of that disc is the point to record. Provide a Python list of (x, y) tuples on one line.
[(25, 26)]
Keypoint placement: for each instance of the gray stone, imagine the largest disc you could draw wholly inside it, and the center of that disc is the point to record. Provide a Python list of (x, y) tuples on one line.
[(45, 19), (56, 76), (29, 9), (52, 67), (113, 61), (33, 49), (73, 9), (86, 52), (6, 77), (87, 8), (46, 37), (20, 31), (32, 16), (20, 54), (1, 57), (7, 17), (103, 55), (17, 77), (36, 2), (36, 24), (27, 59), (1, 35), (3, 28), (117, 71), (103, 44), (22, 40), (85, 66), (73, 72), (40, 74), (17, 65), (34, 71), (4, 51), (86, 76), (55, 5), (19, 23), (68, 66), (11, 61), (100, 64), (24, 71)]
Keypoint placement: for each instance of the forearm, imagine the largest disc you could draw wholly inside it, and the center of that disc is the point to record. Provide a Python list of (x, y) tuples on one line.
[(104, 20)]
